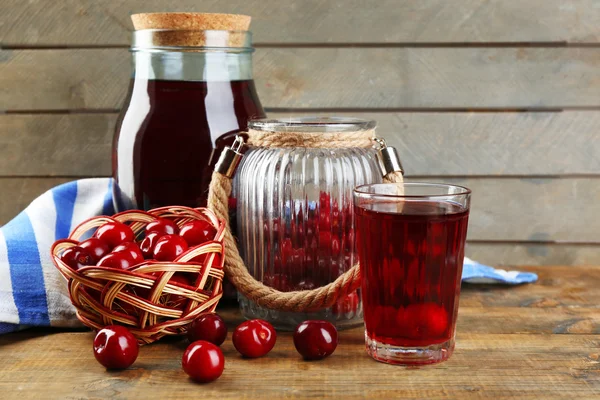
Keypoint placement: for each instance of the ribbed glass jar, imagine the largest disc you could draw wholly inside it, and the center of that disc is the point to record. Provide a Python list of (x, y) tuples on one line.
[(294, 215)]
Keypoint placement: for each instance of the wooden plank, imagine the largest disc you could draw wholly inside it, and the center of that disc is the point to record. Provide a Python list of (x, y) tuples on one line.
[(478, 314), (572, 287), (477, 143), (87, 22), (502, 209), (518, 349), (484, 365), (532, 209), (515, 253), (489, 319), (65, 145), (428, 143), (329, 77), (17, 193)]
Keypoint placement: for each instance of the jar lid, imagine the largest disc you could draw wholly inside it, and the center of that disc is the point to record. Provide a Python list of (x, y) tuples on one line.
[(312, 124), (189, 30), (191, 21)]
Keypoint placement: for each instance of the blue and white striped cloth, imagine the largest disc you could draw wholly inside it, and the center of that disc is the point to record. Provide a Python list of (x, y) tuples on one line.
[(33, 293)]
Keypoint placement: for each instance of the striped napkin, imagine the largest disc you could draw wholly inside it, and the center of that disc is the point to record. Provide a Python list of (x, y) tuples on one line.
[(33, 293)]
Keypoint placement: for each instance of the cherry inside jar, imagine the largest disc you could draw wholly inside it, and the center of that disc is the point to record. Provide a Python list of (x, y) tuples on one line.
[(185, 103)]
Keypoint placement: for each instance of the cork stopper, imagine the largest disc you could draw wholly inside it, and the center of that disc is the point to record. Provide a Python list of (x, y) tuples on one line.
[(191, 30), (191, 21)]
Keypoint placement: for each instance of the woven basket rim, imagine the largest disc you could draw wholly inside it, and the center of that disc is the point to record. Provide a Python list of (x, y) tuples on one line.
[(112, 284)]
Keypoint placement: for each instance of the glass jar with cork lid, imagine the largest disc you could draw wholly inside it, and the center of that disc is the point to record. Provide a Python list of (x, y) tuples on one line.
[(191, 92)]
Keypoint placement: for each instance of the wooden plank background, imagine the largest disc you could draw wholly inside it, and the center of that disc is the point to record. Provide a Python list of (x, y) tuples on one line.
[(347, 78), (90, 22), (500, 96)]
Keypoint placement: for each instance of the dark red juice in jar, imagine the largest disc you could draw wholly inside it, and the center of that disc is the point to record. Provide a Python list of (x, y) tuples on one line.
[(190, 94), (411, 279)]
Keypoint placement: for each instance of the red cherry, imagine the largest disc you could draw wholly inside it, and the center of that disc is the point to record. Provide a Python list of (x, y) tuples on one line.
[(115, 347), (287, 251), (335, 247), (114, 233), (209, 327), (163, 225), (254, 338), (116, 261), (325, 241), (197, 232), (325, 202), (347, 304), (315, 340), (77, 257), (131, 250), (96, 247), (169, 247), (148, 244), (335, 218), (203, 361), (425, 320), (324, 222), (300, 264), (278, 281)]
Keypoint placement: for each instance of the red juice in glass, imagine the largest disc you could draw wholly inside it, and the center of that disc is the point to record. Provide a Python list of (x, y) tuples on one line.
[(411, 250)]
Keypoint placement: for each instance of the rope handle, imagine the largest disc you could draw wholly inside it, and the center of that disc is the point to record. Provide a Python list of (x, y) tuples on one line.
[(235, 269)]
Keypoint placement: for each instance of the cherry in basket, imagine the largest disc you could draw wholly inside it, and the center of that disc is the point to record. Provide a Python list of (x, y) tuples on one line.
[(77, 257), (149, 243), (114, 233), (162, 225), (96, 247), (116, 261), (130, 250), (197, 232), (169, 247), (128, 237)]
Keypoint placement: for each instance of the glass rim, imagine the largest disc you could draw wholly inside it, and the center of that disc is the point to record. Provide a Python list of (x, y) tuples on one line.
[(312, 124), (464, 190)]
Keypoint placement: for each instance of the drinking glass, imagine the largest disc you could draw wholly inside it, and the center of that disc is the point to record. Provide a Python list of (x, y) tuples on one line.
[(410, 242)]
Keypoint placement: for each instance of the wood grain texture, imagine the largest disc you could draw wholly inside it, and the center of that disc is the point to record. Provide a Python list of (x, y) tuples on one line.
[(514, 253), (88, 22), (65, 145), (531, 341), (428, 143), (329, 77), (532, 209), (17, 193), (484, 365), (561, 288), (502, 208)]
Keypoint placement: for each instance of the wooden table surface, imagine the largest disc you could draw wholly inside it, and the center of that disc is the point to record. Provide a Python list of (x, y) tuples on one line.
[(535, 341)]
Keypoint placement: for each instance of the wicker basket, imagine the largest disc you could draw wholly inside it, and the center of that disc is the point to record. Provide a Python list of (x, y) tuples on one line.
[(141, 298)]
